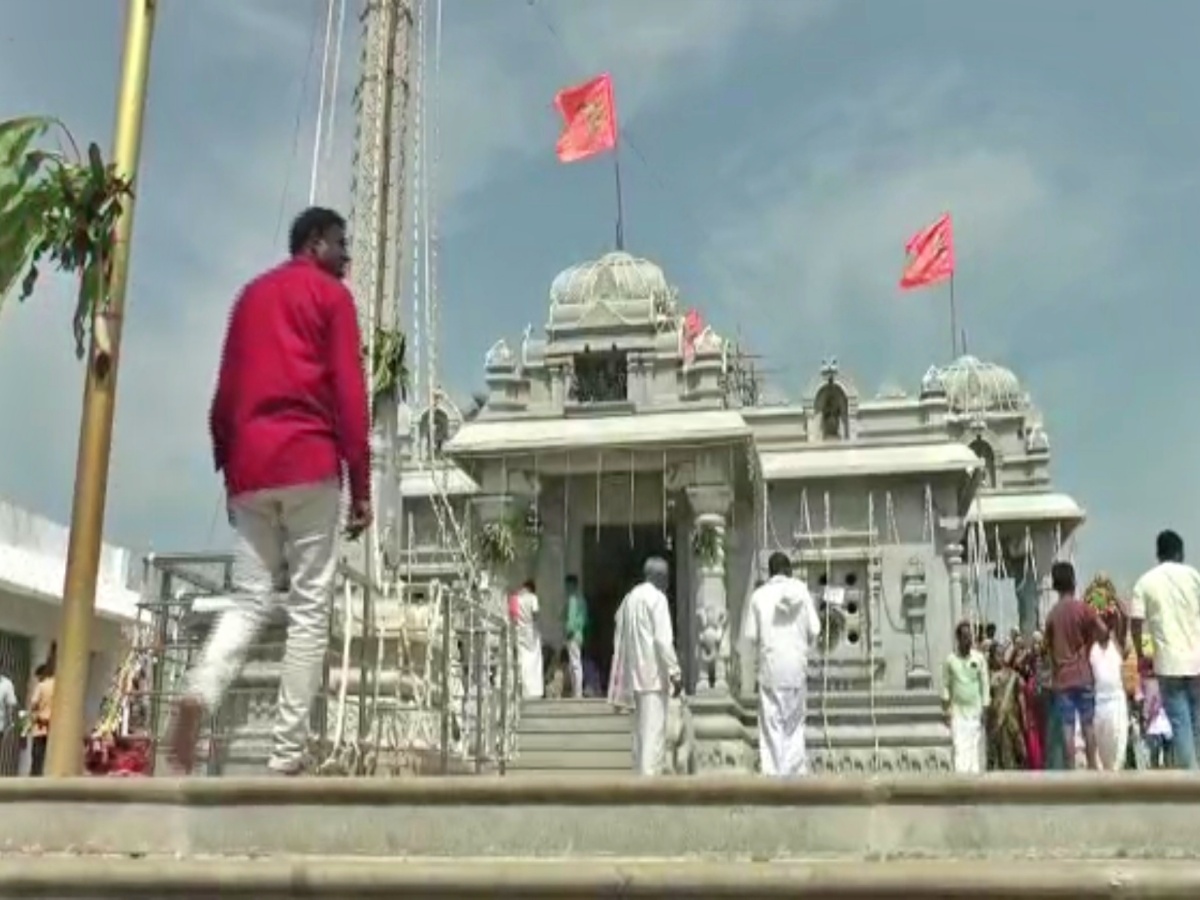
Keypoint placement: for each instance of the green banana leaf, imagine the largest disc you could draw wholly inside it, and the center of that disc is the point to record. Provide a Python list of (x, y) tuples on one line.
[(23, 203)]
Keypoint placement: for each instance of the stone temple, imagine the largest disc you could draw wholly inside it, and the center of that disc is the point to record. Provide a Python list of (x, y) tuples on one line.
[(611, 438)]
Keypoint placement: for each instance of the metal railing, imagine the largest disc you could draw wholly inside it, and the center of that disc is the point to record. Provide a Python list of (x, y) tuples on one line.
[(409, 686)]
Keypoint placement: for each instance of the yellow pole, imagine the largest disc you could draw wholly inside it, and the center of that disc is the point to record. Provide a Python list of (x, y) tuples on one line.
[(64, 756)]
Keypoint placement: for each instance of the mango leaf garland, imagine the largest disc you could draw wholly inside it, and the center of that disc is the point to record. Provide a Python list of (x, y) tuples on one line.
[(61, 209), (389, 366)]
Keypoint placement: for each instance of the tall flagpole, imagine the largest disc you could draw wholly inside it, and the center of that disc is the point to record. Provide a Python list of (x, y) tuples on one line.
[(953, 322), (65, 752), (620, 199)]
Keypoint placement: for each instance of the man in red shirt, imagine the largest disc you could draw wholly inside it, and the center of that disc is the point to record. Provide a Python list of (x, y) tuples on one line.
[(1070, 633), (289, 414)]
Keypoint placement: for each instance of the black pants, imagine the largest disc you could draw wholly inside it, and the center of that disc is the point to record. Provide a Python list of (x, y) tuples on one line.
[(37, 756)]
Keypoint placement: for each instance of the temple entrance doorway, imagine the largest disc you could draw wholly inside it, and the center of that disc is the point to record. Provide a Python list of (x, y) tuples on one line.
[(613, 556)]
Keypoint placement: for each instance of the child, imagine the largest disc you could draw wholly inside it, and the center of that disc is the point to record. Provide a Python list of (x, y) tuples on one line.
[(1158, 727)]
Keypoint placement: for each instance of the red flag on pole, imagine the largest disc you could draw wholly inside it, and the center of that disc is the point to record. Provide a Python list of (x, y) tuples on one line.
[(589, 119), (930, 255)]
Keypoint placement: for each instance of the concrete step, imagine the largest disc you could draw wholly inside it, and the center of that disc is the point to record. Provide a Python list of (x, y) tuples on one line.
[(565, 760), (469, 879), (569, 708), (610, 741), (1015, 817), (603, 723)]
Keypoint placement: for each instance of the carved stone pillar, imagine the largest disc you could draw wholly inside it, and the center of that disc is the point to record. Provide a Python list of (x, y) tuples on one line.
[(953, 553), (710, 508), (1028, 600)]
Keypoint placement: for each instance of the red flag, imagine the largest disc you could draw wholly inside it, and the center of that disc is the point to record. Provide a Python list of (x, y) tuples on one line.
[(693, 326), (589, 119), (930, 255)]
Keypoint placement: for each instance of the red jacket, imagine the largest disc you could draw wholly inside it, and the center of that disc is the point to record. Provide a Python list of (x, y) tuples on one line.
[(291, 402)]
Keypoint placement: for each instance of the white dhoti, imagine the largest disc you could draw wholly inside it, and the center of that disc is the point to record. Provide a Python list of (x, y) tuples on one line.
[(575, 661), (966, 734), (649, 731), (781, 715), (1111, 723), (532, 676)]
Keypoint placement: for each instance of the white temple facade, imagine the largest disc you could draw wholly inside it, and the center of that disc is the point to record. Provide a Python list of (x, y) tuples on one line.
[(610, 438)]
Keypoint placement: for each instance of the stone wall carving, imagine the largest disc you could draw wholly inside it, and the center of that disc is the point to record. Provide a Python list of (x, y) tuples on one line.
[(885, 761)]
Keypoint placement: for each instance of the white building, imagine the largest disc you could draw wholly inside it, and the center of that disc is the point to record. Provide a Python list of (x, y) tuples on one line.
[(604, 441), (33, 554)]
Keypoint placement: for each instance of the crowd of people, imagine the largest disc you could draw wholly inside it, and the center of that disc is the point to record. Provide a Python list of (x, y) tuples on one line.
[(1106, 684)]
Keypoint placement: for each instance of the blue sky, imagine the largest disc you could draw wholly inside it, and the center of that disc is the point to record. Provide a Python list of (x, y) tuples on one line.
[(779, 154)]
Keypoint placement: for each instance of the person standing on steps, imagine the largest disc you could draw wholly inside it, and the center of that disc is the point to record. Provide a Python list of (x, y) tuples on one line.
[(645, 671), (289, 421), (1166, 606), (966, 695), (529, 643), (576, 628), (781, 625), (1071, 629)]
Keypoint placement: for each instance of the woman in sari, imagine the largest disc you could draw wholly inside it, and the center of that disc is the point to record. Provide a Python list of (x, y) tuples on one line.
[(1026, 666), (1006, 732)]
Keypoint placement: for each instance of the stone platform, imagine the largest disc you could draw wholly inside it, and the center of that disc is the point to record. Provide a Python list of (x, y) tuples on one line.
[(1024, 835)]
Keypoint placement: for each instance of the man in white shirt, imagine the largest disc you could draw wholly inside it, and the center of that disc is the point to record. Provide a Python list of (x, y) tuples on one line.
[(779, 627), (645, 670), (529, 642), (1166, 603)]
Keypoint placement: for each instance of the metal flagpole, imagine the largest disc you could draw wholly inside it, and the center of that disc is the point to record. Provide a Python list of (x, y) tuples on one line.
[(620, 199), (65, 752), (953, 322)]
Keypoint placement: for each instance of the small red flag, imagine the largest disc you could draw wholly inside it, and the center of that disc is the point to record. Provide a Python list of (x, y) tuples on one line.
[(930, 255), (589, 119)]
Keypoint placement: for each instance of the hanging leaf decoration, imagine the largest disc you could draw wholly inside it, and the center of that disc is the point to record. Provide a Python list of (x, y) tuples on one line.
[(389, 366), (58, 208)]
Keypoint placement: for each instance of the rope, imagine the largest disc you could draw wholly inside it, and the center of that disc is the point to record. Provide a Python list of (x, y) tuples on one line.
[(318, 130), (872, 562)]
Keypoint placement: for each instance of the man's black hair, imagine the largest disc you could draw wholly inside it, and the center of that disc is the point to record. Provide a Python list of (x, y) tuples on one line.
[(315, 222), (779, 564), (989, 630), (571, 581), (1169, 546), (1062, 578), (530, 586)]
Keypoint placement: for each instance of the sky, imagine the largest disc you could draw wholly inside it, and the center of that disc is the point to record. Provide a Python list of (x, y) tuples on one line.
[(777, 154)]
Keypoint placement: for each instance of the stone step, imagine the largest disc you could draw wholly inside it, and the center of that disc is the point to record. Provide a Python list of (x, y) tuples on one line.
[(574, 741), (1002, 816), (615, 759), (584, 723), (473, 879), (588, 706)]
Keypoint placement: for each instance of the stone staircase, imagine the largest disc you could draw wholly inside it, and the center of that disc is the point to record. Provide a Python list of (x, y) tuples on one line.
[(853, 728), (1010, 836), (580, 737)]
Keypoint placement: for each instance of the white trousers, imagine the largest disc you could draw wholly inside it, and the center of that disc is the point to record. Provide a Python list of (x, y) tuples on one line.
[(1111, 723), (533, 681), (966, 734), (575, 660), (284, 530), (781, 748), (649, 731)]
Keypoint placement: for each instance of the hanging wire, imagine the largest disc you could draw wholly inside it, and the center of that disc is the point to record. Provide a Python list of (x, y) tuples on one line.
[(319, 125)]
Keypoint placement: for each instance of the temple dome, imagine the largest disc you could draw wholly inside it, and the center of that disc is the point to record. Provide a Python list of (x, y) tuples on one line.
[(974, 386), (613, 277)]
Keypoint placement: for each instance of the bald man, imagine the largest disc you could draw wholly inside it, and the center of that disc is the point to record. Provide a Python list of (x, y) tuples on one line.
[(645, 670)]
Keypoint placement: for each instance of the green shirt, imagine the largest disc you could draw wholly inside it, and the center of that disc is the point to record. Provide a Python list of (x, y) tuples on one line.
[(965, 686), (576, 616)]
